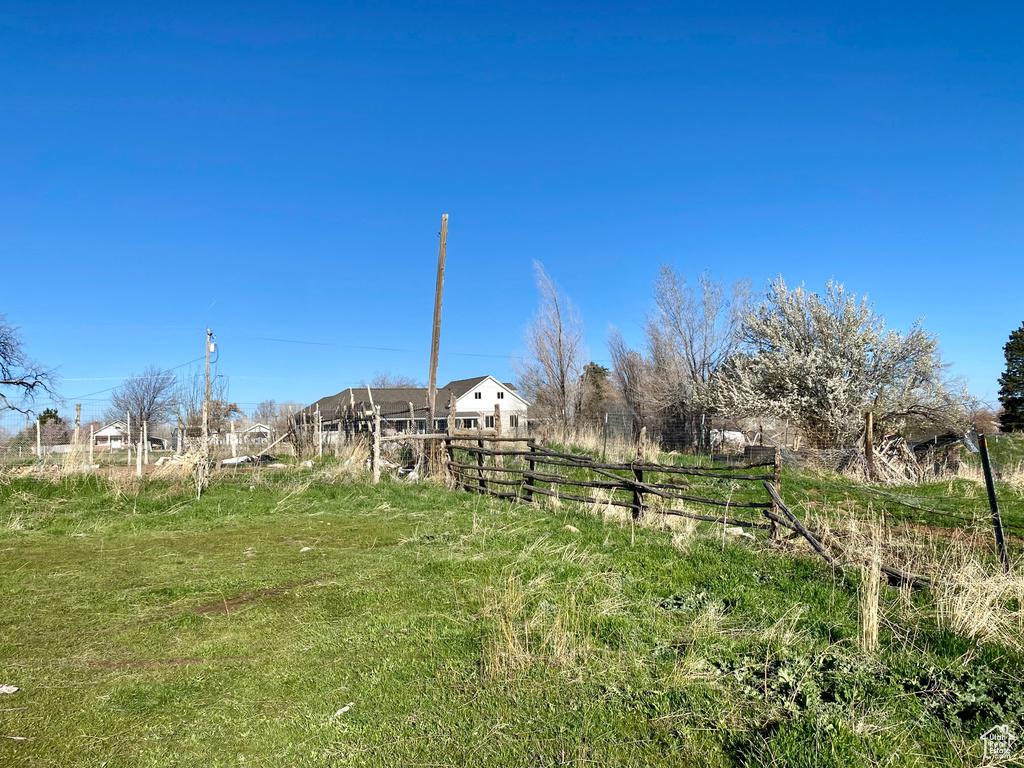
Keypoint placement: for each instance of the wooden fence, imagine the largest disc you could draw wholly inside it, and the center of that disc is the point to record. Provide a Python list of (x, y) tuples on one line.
[(520, 469)]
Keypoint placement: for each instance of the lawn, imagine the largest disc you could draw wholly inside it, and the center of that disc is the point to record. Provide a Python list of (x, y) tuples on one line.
[(305, 618)]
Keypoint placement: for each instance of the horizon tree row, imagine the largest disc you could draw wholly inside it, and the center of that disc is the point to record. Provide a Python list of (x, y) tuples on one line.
[(818, 360)]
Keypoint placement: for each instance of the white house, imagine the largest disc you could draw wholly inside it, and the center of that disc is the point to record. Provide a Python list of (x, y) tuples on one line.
[(404, 409), (114, 437)]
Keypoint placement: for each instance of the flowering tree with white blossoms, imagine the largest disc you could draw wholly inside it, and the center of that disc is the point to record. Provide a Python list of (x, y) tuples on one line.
[(822, 361)]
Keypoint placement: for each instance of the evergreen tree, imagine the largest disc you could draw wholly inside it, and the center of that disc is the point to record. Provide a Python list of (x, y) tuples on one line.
[(1011, 384)]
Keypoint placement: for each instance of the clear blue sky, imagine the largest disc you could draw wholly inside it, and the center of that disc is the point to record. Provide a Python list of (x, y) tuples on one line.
[(278, 171)]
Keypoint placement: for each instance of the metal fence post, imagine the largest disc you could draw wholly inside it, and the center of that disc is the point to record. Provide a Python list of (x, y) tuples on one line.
[(997, 521)]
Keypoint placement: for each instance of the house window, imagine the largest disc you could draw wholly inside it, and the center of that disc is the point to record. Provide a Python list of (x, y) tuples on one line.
[(478, 395), (513, 420), (470, 423), (489, 422), (501, 395)]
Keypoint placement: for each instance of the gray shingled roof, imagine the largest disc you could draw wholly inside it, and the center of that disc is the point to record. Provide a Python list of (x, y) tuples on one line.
[(394, 402)]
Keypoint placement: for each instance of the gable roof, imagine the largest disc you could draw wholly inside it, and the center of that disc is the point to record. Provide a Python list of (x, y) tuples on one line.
[(462, 386), (394, 401), (117, 427)]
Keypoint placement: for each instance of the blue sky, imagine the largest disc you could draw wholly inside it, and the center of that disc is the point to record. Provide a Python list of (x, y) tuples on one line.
[(278, 171)]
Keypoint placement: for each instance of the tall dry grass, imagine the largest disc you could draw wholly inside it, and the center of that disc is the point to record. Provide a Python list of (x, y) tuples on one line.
[(979, 601), (971, 596), (868, 597), (529, 629)]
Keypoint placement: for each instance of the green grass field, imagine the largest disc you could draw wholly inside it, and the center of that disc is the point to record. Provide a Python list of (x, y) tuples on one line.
[(295, 619)]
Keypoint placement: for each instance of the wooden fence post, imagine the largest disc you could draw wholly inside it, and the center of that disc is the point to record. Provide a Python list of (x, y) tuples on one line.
[(869, 442), (145, 441), (777, 484), (78, 423), (375, 453), (39, 448), (450, 423), (531, 464), (499, 461), (92, 439), (138, 459), (480, 464), (638, 498)]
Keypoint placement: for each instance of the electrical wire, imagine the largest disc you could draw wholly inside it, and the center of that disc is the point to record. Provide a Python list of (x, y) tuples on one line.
[(126, 378)]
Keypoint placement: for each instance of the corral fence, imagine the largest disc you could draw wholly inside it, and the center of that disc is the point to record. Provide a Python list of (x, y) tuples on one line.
[(520, 469)]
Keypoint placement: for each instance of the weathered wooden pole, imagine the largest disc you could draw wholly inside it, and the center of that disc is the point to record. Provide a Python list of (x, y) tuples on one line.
[(638, 498), (78, 422), (777, 484), (480, 466), (531, 464), (39, 447), (138, 460), (375, 453), (499, 461), (869, 442), (435, 340), (92, 439), (997, 521), (450, 423)]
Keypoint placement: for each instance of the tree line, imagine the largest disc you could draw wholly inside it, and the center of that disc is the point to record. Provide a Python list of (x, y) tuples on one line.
[(819, 360)]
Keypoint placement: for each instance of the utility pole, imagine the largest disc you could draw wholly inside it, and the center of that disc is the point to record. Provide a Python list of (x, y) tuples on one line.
[(435, 341), (205, 458)]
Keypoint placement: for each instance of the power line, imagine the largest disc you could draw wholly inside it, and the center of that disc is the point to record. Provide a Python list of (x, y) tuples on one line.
[(111, 389)]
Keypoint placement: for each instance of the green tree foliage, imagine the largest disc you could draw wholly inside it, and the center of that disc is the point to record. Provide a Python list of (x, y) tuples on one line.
[(597, 391), (50, 414), (1011, 383)]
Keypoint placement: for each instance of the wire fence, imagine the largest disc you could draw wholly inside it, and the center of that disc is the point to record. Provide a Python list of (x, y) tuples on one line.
[(54, 429)]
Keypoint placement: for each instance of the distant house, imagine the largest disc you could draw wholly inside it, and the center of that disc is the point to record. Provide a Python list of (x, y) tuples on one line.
[(256, 433), (115, 437), (404, 409)]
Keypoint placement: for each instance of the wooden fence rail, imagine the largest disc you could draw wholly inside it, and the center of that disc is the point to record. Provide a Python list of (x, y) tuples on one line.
[(527, 469)]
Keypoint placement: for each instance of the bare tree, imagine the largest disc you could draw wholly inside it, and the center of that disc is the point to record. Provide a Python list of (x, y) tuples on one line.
[(148, 397), (691, 333), (20, 377), (191, 393), (632, 375), (389, 380), (266, 412), (823, 361), (551, 377)]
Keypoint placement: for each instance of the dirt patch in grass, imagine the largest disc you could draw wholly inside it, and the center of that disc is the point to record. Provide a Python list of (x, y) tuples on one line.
[(229, 604), (158, 663)]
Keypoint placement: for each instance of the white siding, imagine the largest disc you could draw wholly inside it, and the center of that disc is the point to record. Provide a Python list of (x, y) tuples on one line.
[(492, 393)]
